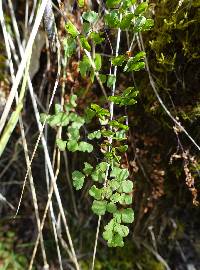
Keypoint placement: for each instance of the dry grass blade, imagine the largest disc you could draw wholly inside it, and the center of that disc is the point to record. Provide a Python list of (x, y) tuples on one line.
[(7, 38), (23, 63)]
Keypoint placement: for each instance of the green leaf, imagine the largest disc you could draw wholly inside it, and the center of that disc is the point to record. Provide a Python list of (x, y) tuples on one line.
[(98, 61), (139, 56), (103, 166), (148, 25), (95, 192), (72, 30), (127, 98), (135, 66), (117, 216), (60, 119), (126, 21), (111, 207), (114, 184), (85, 44), (79, 122), (90, 16), (94, 135), (98, 175), (72, 100), (115, 172), (44, 117), (127, 4), (127, 186), (89, 115), (116, 124), (88, 168), (81, 3), (103, 78), (99, 207), (86, 28), (134, 63), (114, 233), (72, 145), (107, 192), (122, 230), (120, 135), (118, 60), (84, 66), (100, 111), (115, 197), (112, 3), (64, 120), (122, 148), (67, 108), (107, 133), (127, 215), (139, 23), (78, 179), (126, 199), (112, 19), (73, 116), (73, 133), (108, 233), (103, 120), (119, 174), (96, 37), (61, 144), (130, 93), (117, 241), (85, 147), (111, 80), (69, 45), (141, 8), (121, 101), (58, 108)]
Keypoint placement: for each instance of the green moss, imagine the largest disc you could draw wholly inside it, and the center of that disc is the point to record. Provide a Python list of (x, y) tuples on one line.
[(127, 258), (9, 259)]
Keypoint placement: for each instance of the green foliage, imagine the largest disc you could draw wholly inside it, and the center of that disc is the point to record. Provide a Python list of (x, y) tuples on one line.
[(119, 60), (111, 80), (73, 121), (69, 45), (112, 3), (81, 3), (135, 63), (141, 8), (94, 135), (111, 190), (78, 179), (9, 259), (112, 19), (85, 44), (127, 97), (96, 37), (90, 16), (99, 207), (72, 30)]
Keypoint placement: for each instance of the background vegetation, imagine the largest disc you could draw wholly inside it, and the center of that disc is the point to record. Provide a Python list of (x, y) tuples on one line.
[(163, 138)]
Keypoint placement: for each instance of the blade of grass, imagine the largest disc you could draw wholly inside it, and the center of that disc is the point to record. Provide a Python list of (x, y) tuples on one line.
[(23, 63)]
